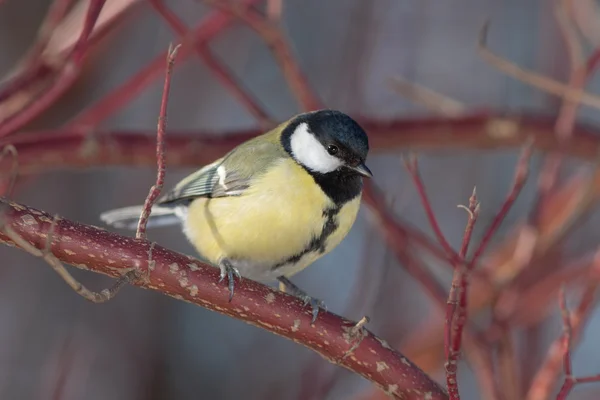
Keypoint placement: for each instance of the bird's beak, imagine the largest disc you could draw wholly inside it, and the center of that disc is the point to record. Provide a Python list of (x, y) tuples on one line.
[(363, 170)]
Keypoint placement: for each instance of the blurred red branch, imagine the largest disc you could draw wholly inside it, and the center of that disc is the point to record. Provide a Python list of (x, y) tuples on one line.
[(234, 85), (42, 84), (401, 240), (411, 165), (273, 37), (210, 27), (456, 306), (559, 353), (521, 174), (188, 279), (570, 380), (41, 151), (398, 239)]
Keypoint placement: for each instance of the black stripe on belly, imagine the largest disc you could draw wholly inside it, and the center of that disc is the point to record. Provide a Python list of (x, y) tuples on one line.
[(317, 243)]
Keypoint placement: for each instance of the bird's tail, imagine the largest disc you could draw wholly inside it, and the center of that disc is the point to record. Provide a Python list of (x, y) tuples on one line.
[(127, 217)]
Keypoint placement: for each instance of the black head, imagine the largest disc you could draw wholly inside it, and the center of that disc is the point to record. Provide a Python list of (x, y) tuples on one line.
[(327, 141)]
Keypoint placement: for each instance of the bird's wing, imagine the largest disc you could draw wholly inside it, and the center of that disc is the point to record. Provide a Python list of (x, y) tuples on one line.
[(228, 176)]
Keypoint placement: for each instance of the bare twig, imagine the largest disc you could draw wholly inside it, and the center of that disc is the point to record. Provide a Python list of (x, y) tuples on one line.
[(431, 100), (570, 380), (275, 40), (210, 27), (399, 241), (221, 71), (546, 377), (411, 165), (46, 255), (521, 173), (580, 73), (160, 148), (456, 310), (532, 78)]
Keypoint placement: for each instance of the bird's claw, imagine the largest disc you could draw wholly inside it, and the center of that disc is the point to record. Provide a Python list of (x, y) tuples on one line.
[(229, 271), (315, 304)]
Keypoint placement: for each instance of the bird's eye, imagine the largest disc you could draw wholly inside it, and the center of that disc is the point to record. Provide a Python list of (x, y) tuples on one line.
[(331, 149)]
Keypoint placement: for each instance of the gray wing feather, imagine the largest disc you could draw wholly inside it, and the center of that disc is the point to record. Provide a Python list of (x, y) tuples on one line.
[(198, 184), (228, 176)]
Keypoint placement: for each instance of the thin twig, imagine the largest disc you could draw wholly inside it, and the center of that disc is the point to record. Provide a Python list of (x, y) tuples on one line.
[(580, 72), (431, 100), (221, 71), (46, 255), (275, 40), (532, 78), (209, 28), (521, 174), (160, 148), (570, 380), (546, 377), (456, 311), (411, 164)]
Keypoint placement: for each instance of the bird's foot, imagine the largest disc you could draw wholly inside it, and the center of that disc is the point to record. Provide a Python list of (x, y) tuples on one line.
[(229, 271), (315, 304)]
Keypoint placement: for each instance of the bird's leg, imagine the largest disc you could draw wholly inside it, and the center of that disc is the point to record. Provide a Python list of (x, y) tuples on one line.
[(301, 294), (229, 271)]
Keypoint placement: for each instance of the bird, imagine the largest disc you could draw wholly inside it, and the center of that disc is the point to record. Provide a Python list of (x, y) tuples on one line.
[(274, 204)]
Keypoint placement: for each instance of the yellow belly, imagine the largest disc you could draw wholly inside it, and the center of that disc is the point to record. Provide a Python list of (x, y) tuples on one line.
[(272, 221)]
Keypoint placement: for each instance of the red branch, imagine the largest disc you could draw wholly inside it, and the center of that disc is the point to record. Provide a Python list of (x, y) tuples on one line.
[(570, 380), (521, 173), (413, 169), (36, 67), (221, 71), (188, 279), (64, 80), (160, 148), (546, 376), (210, 27), (274, 38), (41, 151), (397, 238), (456, 306)]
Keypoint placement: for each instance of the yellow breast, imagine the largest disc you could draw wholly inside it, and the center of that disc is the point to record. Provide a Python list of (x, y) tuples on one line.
[(274, 220)]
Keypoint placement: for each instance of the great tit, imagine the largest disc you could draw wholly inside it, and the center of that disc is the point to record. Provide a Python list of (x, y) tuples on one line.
[(272, 205)]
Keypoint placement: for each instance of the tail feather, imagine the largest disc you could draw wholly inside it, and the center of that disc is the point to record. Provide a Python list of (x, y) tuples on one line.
[(127, 217)]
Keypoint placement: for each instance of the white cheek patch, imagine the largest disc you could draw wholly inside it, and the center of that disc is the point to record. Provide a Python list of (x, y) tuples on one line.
[(310, 152)]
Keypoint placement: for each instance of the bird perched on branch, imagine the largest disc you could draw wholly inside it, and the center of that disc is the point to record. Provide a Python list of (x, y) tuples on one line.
[(272, 205)]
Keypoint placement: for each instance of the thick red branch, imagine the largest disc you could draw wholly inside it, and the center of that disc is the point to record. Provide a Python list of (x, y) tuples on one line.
[(186, 278), (44, 150)]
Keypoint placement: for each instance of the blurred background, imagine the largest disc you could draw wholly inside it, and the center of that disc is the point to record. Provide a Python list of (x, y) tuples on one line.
[(144, 345)]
